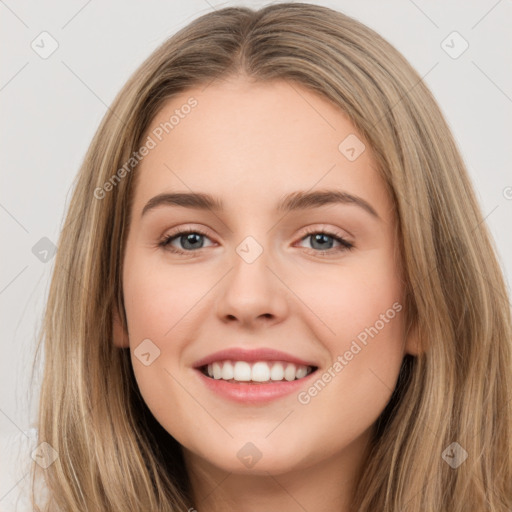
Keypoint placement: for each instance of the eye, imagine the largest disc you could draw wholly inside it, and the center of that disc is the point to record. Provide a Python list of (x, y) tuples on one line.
[(322, 242), (190, 238)]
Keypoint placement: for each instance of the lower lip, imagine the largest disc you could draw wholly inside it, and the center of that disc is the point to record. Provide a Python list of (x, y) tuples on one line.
[(253, 393)]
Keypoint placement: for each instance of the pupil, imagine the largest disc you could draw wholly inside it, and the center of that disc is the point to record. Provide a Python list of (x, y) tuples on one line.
[(320, 237), (190, 239)]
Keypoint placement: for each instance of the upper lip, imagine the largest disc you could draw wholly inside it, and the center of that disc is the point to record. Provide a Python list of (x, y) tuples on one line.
[(260, 354)]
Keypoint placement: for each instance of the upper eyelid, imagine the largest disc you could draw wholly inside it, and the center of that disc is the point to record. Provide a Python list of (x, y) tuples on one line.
[(308, 230)]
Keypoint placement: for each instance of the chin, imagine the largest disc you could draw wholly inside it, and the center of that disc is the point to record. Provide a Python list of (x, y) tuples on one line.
[(258, 457)]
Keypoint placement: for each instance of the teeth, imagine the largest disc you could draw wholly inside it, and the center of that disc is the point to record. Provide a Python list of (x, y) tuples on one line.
[(302, 371), (217, 371), (261, 371), (289, 372), (242, 371), (277, 372), (228, 372)]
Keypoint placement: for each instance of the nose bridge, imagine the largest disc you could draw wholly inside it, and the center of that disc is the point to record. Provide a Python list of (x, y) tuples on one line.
[(252, 237), (250, 249), (250, 271), (251, 289)]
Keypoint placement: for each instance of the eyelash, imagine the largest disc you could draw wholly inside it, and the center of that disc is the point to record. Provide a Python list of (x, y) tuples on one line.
[(165, 242)]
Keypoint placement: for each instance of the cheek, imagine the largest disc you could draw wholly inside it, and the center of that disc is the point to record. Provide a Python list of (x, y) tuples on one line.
[(366, 354), (348, 299), (362, 325), (158, 298), (158, 306)]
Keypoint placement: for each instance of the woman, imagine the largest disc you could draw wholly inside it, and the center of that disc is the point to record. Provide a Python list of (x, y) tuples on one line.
[(254, 373)]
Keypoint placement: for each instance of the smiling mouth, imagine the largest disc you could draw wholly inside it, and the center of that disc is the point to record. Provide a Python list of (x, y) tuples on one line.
[(258, 372)]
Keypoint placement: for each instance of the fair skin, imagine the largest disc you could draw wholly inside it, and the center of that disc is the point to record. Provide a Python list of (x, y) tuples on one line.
[(249, 145)]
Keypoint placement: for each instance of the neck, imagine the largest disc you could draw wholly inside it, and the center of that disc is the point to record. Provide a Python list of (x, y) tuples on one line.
[(325, 486)]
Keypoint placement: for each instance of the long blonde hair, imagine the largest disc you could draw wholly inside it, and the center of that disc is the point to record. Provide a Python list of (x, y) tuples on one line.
[(113, 455)]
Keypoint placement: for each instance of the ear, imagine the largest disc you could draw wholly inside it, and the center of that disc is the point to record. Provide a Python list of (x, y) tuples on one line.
[(120, 336), (412, 341)]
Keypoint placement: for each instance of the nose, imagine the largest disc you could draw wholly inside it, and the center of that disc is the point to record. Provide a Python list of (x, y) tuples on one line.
[(252, 293)]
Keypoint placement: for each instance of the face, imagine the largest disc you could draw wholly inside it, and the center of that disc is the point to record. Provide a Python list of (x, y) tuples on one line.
[(285, 286)]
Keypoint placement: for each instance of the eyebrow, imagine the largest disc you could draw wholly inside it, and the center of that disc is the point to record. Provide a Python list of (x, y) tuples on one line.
[(300, 200)]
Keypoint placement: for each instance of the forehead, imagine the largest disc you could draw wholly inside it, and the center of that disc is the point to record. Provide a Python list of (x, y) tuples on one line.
[(244, 141)]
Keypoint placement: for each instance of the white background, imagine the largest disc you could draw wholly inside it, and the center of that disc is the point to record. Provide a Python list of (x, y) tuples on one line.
[(50, 109)]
